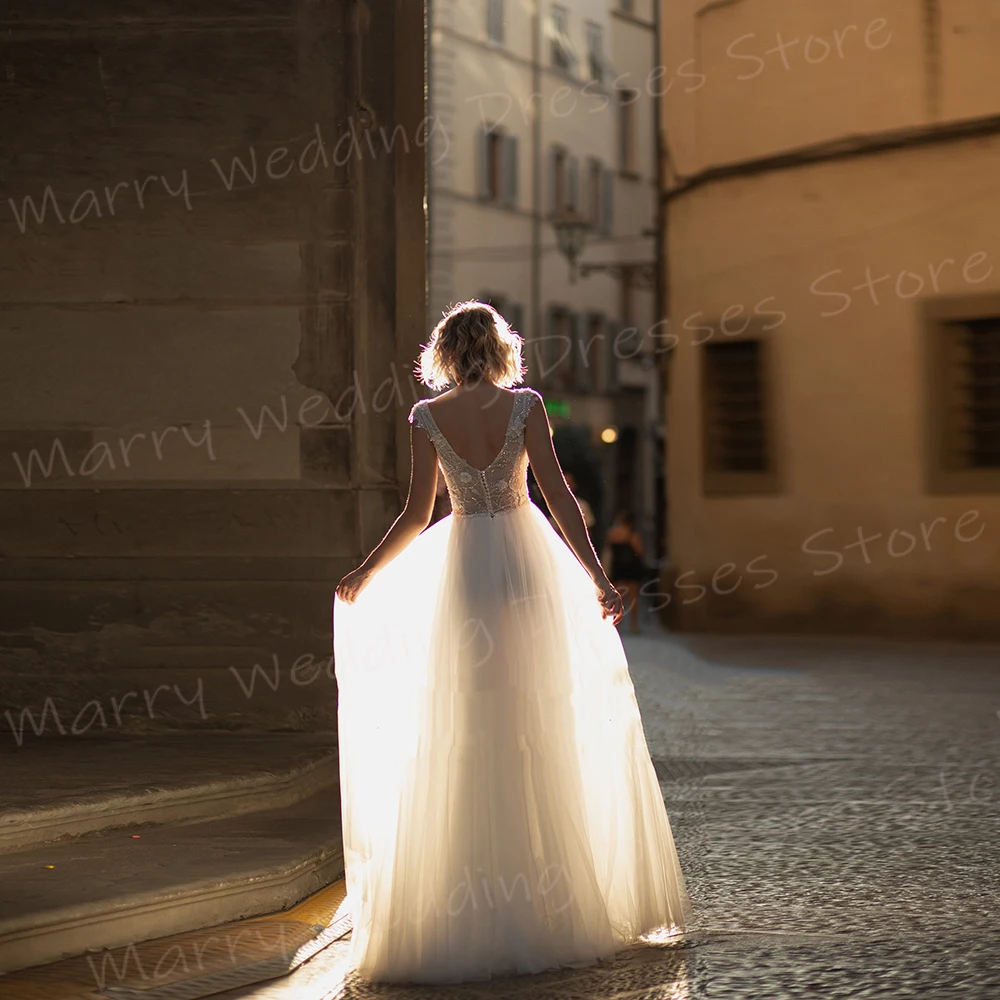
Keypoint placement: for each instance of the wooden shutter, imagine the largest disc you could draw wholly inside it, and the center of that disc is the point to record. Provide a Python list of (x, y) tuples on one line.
[(515, 317), (549, 347), (607, 201), (554, 205), (483, 161), (583, 376), (573, 183), (494, 21), (510, 170), (612, 327)]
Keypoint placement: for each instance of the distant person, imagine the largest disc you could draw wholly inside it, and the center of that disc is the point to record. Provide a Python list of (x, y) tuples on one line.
[(628, 568)]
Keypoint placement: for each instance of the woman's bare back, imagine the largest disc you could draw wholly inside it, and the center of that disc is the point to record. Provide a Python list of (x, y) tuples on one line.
[(474, 421)]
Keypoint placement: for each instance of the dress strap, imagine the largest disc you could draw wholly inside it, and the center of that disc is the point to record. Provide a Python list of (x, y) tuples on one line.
[(421, 415), (523, 402)]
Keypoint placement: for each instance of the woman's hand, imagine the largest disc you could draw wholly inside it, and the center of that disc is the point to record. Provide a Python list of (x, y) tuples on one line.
[(352, 584), (610, 600)]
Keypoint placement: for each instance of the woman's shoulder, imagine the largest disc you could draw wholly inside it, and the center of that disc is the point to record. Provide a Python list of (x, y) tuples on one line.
[(416, 410)]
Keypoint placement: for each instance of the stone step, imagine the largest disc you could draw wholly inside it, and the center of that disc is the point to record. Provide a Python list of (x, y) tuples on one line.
[(61, 788), (132, 883)]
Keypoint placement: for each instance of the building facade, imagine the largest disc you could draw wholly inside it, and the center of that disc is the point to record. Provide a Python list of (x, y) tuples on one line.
[(545, 107), (833, 277)]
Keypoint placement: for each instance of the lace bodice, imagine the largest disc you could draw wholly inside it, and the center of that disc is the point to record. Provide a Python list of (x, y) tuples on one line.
[(503, 484)]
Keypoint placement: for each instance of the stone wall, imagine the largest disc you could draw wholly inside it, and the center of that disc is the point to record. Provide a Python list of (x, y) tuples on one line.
[(209, 214)]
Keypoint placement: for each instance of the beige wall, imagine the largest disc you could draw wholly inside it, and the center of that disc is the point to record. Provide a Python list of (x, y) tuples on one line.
[(846, 376)]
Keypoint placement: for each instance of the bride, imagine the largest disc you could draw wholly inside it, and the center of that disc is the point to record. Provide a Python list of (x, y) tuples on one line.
[(501, 813)]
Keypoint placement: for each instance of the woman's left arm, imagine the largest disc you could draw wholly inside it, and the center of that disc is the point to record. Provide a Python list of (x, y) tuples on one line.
[(416, 515)]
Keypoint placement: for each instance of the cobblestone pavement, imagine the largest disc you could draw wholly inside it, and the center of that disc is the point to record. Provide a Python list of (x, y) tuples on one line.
[(836, 807)]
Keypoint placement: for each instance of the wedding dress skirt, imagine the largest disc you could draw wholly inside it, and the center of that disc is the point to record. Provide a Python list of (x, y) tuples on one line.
[(501, 813)]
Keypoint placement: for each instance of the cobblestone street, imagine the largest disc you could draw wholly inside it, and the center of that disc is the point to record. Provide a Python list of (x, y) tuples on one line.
[(837, 811)]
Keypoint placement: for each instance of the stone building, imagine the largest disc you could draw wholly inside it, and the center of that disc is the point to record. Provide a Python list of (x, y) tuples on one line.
[(545, 107), (833, 409), (212, 291)]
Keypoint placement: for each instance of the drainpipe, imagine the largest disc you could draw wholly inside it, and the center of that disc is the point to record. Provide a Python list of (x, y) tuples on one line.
[(536, 184), (661, 292)]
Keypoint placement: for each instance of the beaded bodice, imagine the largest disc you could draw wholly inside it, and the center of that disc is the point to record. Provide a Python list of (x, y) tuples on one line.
[(503, 484)]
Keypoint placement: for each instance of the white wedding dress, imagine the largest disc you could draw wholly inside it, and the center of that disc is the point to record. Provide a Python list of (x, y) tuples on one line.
[(500, 809)]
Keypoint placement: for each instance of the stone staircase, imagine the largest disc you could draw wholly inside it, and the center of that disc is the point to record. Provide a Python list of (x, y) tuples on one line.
[(109, 839)]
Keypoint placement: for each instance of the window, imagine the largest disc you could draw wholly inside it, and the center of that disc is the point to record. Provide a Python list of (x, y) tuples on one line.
[(563, 53), (495, 299), (964, 407), (581, 370), (628, 294), (599, 194), (511, 311), (556, 354), (606, 222), (564, 171), (596, 353), (572, 355), (498, 153), (595, 190), (735, 432), (494, 21), (609, 382), (595, 52), (559, 188), (626, 130)]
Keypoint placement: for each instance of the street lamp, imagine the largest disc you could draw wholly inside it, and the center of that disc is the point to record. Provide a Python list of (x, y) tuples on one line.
[(571, 232)]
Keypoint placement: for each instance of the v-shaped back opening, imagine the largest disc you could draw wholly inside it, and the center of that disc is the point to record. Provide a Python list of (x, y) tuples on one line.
[(499, 454)]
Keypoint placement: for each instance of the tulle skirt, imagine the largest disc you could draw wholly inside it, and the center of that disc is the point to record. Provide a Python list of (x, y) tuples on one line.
[(500, 810)]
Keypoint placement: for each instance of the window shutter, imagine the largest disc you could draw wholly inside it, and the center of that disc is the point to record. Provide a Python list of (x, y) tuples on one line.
[(510, 170), (483, 161), (610, 360), (607, 201), (494, 20), (548, 348), (580, 366), (573, 183), (553, 180), (515, 317)]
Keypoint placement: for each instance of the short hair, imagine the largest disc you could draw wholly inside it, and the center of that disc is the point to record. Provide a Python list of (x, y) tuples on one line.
[(471, 342)]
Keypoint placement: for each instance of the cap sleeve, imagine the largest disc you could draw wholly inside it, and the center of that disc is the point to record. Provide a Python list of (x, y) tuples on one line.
[(526, 398)]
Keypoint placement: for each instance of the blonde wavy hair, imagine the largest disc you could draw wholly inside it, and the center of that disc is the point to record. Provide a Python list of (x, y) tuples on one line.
[(471, 343)]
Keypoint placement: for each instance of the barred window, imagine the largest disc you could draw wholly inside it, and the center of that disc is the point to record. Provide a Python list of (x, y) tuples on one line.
[(967, 372), (737, 449)]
